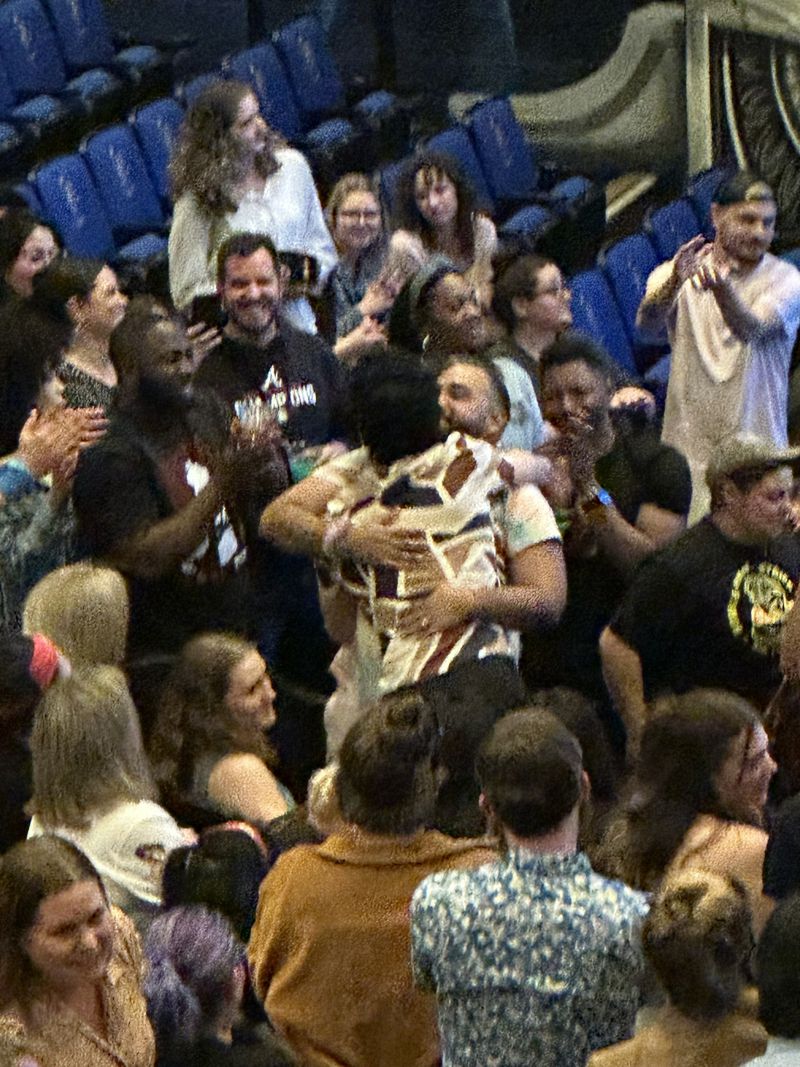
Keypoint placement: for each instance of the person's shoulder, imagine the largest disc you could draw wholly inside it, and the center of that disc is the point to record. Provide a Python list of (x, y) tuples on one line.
[(449, 888), (616, 899), (292, 160), (780, 269)]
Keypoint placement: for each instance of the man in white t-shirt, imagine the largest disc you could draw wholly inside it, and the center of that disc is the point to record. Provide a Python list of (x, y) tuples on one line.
[(731, 311)]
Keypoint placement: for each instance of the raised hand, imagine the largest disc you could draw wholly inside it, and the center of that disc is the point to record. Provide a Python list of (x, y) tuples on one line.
[(203, 339), (690, 257)]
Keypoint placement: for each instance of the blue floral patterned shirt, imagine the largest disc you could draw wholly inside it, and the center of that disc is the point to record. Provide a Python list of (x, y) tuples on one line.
[(535, 960)]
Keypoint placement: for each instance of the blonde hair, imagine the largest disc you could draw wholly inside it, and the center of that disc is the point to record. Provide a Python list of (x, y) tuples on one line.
[(83, 609), (86, 748), (347, 184)]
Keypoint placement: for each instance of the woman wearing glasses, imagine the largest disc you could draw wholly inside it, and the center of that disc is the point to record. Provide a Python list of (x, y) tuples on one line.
[(370, 272)]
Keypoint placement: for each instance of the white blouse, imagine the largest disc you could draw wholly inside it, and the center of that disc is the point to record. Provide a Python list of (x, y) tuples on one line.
[(287, 209)]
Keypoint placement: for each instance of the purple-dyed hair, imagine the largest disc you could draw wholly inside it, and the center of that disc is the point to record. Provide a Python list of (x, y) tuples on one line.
[(192, 954)]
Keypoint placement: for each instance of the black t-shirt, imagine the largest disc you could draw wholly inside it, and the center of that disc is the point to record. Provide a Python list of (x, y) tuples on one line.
[(707, 611), (296, 372), (116, 493), (638, 470)]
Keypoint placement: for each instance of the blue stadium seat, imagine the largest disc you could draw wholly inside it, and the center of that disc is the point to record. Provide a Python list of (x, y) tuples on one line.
[(595, 312), (156, 127), (71, 202), (117, 165), (507, 160), (187, 92), (569, 192), (532, 221), (44, 123), (261, 67), (33, 63), (390, 176), (627, 265), (303, 47), (14, 149), (31, 198), (387, 120), (702, 188), (334, 148), (673, 225), (320, 92), (85, 39), (456, 142)]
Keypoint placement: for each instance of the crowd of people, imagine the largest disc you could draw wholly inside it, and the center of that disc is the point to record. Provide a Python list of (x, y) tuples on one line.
[(386, 678)]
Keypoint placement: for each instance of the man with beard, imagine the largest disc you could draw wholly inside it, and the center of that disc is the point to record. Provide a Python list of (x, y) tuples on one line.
[(295, 374), (619, 493), (134, 503), (297, 380), (448, 319), (731, 311)]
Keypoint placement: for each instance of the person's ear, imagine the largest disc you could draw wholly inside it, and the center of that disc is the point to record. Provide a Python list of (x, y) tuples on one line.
[(716, 215), (73, 306), (519, 305), (586, 787), (284, 277)]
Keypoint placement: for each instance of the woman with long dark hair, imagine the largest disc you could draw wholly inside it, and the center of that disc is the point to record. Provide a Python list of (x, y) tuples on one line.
[(437, 212), (697, 796), (231, 173), (208, 745)]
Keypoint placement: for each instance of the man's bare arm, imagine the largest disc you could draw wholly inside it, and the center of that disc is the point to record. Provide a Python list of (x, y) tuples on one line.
[(622, 671), (656, 305), (535, 596), (160, 548)]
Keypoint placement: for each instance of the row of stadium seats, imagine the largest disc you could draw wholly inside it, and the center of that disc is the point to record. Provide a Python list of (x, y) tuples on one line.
[(62, 73), (606, 297)]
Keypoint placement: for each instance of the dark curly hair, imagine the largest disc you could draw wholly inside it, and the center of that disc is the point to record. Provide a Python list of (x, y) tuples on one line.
[(208, 160)]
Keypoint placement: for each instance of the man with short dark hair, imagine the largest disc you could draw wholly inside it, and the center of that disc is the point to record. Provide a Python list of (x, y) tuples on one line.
[(329, 951), (294, 373), (295, 377), (534, 959), (709, 610), (134, 501), (731, 311), (450, 322), (620, 494)]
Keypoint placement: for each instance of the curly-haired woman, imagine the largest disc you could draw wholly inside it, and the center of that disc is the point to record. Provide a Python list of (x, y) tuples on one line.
[(231, 174)]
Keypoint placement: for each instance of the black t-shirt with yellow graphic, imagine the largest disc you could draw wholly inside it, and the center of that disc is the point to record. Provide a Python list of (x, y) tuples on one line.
[(707, 611)]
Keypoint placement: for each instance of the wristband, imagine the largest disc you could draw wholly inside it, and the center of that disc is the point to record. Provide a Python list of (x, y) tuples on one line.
[(595, 507)]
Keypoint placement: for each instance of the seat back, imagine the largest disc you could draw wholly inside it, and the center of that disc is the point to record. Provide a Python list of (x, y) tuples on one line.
[(187, 92), (390, 176), (303, 47), (156, 127), (29, 49), (673, 225), (506, 158), (71, 203), (627, 265), (261, 67), (456, 142), (117, 165), (82, 33), (595, 312)]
